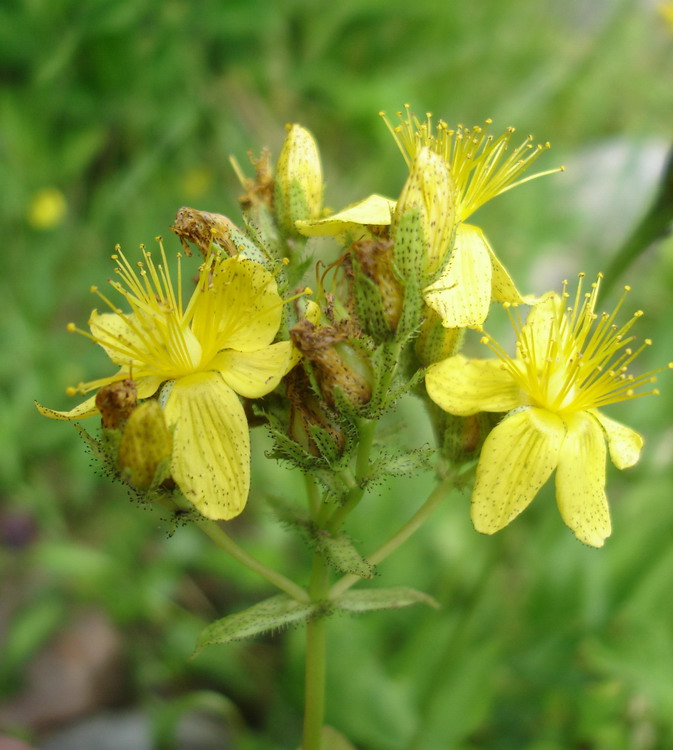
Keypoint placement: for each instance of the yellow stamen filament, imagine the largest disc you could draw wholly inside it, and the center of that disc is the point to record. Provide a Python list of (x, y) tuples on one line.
[(570, 359), (481, 165)]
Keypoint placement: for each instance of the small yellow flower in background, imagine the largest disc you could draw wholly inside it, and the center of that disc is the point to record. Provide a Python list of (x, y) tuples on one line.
[(204, 353), (570, 362), (46, 209), (666, 12)]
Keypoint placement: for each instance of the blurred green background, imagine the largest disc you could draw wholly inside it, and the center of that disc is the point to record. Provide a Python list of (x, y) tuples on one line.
[(113, 115)]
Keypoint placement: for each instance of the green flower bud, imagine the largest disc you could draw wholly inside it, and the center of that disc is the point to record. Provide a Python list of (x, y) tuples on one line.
[(425, 216), (434, 342), (145, 447), (378, 292), (337, 361), (299, 184)]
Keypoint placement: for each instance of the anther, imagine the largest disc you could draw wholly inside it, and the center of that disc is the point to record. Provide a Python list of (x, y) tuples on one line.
[(71, 327)]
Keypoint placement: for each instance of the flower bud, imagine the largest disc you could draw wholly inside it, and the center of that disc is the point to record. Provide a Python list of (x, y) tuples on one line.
[(463, 437), (425, 216), (434, 342), (299, 185), (336, 361), (115, 402), (379, 294), (308, 412), (145, 447)]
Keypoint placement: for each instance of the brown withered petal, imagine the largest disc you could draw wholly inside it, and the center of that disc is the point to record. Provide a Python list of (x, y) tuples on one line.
[(203, 228), (115, 402)]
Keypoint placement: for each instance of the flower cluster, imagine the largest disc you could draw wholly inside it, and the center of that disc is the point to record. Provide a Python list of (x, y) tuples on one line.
[(411, 275)]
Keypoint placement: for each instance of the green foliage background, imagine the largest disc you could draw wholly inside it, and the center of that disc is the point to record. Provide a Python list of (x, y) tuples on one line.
[(131, 110)]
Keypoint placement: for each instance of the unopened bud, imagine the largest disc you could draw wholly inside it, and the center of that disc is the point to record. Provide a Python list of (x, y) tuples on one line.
[(425, 216), (299, 184), (145, 447), (337, 362), (379, 294), (115, 402), (308, 412), (434, 342), (463, 437)]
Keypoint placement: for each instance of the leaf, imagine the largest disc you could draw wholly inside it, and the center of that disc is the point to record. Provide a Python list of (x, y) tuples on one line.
[(339, 550), (400, 463), (270, 614), (367, 600)]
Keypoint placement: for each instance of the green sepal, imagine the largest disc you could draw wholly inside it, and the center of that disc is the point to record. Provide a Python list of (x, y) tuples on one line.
[(341, 553), (369, 304), (245, 245), (260, 225), (290, 204), (329, 450), (104, 450), (368, 600), (411, 316), (266, 616), (397, 463), (409, 245)]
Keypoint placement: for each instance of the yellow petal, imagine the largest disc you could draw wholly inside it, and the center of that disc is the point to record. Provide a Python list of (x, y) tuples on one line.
[(517, 459), (241, 308), (254, 374), (503, 288), (211, 445), (580, 481), (462, 294), (624, 443), (146, 387), (85, 409), (464, 386), (372, 211), (116, 335)]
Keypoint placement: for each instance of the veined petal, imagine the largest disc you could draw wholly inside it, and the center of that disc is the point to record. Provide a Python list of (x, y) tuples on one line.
[(254, 374), (464, 386), (240, 309), (372, 211), (580, 480), (517, 459), (145, 387), (82, 411), (211, 445), (462, 294), (503, 288), (116, 335), (624, 443)]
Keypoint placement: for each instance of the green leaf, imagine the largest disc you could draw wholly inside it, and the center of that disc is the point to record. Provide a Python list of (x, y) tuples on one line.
[(367, 600), (400, 463), (270, 614), (339, 550)]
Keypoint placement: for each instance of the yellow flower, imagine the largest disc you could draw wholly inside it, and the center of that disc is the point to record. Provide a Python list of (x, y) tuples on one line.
[(666, 12), (205, 354), (481, 166), (569, 363)]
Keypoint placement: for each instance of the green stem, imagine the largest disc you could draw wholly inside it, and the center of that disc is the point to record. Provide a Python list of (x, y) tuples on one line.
[(225, 542), (312, 495), (367, 432), (316, 660), (411, 526)]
